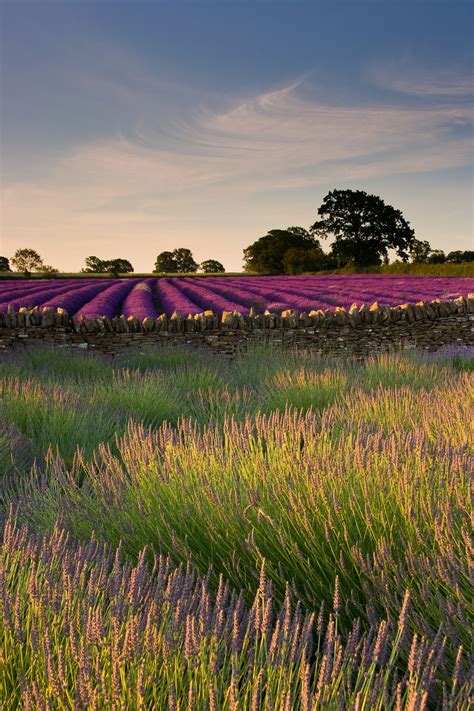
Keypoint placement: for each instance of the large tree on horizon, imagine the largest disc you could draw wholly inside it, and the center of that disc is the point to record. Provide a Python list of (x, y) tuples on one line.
[(363, 227)]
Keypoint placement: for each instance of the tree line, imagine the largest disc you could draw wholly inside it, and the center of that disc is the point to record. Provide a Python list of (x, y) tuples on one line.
[(178, 261), (363, 229)]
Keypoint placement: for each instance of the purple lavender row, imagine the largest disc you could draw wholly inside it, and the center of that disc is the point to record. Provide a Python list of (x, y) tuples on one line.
[(108, 302), (72, 300), (396, 278), (346, 298), (206, 299), (315, 299), (382, 284), (280, 297), (139, 301), (349, 293), (172, 299), (27, 284), (38, 298), (377, 282), (323, 287), (8, 296), (233, 293), (25, 289)]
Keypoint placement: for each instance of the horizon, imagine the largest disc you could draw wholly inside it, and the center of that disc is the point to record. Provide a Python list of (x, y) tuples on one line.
[(131, 132)]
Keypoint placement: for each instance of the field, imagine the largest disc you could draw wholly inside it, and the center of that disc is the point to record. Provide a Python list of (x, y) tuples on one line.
[(278, 532), (140, 298)]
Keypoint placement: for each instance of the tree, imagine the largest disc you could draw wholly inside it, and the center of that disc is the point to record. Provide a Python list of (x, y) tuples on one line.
[(458, 256), (211, 266), (420, 251), (364, 228), (436, 256), (94, 265), (119, 266), (48, 270), (184, 260), (267, 253), (179, 260), (166, 263), (27, 260), (4, 265), (299, 261)]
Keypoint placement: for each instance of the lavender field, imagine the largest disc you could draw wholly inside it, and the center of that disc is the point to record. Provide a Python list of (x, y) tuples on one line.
[(139, 298), (278, 532)]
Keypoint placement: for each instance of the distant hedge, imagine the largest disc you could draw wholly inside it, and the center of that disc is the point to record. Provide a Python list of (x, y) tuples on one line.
[(446, 269)]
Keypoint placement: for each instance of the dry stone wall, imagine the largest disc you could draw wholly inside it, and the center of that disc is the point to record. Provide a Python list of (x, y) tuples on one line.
[(359, 331)]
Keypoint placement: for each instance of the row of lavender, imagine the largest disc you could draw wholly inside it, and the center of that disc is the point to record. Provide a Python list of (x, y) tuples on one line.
[(141, 298)]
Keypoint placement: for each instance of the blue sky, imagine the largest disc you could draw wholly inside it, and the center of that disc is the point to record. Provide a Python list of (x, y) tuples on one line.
[(129, 128)]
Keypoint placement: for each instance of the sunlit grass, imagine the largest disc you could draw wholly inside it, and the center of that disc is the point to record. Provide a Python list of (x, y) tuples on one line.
[(319, 470)]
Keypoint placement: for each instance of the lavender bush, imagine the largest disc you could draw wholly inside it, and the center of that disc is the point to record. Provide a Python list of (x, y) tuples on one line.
[(108, 302), (281, 532), (82, 629), (139, 302)]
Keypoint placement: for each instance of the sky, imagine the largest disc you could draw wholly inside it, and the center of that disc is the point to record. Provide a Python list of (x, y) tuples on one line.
[(130, 128)]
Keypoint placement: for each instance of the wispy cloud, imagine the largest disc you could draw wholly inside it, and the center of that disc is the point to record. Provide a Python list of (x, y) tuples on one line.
[(275, 139), (441, 81), (202, 159)]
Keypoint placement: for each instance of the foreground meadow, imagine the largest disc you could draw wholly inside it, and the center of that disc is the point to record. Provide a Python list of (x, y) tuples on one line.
[(279, 532)]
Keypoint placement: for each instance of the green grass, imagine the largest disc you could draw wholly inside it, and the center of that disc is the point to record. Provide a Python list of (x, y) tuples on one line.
[(318, 469), (66, 401)]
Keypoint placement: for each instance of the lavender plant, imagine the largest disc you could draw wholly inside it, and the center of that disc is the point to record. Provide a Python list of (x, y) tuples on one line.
[(279, 532), (82, 629)]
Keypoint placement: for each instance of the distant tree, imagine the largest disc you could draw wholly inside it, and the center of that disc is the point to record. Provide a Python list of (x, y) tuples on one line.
[(166, 263), (48, 270), (459, 256), (94, 265), (179, 260), (119, 266), (211, 266), (184, 260), (4, 265), (267, 254), (436, 256), (364, 228), (420, 251), (299, 261), (26, 261)]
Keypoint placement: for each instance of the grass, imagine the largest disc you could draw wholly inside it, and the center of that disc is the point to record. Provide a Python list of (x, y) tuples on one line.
[(346, 483)]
